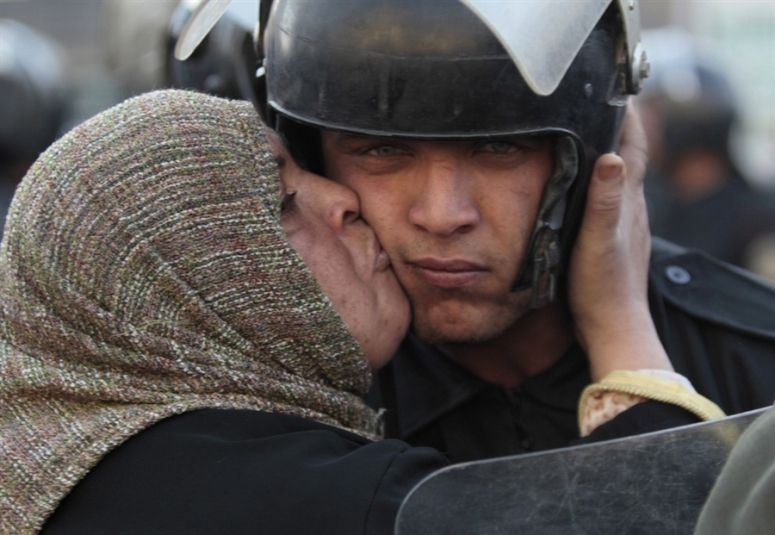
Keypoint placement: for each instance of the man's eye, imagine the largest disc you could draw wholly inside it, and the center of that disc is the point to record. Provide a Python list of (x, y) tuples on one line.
[(499, 147), (287, 204), (384, 150)]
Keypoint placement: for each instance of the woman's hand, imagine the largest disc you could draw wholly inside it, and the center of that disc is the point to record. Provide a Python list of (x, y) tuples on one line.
[(609, 266)]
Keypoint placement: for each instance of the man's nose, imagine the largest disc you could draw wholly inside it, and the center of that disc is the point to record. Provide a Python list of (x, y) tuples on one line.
[(339, 204), (445, 202)]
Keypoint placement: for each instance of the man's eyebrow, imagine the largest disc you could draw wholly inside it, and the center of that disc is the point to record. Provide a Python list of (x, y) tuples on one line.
[(345, 137)]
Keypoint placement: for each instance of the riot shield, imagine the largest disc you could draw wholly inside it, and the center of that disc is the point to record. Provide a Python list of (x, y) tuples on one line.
[(654, 483)]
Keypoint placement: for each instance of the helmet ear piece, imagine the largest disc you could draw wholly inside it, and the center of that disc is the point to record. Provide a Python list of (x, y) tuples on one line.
[(549, 247)]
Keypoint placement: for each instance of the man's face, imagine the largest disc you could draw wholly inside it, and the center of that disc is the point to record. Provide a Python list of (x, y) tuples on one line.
[(455, 217)]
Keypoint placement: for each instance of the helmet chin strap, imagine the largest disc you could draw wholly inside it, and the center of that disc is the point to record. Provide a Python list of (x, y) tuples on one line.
[(546, 268), (543, 264)]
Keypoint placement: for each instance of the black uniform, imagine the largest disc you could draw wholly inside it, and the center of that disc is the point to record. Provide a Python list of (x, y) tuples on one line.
[(236, 471), (716, 322)]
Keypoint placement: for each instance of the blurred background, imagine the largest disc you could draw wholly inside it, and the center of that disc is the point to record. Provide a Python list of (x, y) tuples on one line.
[(708, 106)]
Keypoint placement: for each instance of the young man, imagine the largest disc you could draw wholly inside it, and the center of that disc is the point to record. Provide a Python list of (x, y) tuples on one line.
[(473, 137)]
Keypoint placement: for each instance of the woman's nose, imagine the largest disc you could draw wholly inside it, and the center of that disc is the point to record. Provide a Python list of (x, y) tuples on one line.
[(339, 204)]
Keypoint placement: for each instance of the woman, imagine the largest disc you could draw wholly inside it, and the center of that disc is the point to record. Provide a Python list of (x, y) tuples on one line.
[(146, 274), (168, 362)]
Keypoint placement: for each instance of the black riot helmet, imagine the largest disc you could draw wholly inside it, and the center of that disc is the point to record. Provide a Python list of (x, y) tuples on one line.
[(455, 69)]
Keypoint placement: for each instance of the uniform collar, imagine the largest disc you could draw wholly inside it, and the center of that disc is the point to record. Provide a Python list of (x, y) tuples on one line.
[(428, 384)]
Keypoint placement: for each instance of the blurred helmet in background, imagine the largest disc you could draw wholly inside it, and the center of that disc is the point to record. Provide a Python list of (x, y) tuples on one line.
[(691, 100), (135, 40), (224, 64), (32, 92)]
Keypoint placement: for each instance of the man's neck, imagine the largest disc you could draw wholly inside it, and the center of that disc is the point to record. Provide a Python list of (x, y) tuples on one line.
[(534, 343)]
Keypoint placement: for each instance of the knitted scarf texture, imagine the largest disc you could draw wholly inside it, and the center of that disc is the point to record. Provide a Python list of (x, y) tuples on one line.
[(144, 273)]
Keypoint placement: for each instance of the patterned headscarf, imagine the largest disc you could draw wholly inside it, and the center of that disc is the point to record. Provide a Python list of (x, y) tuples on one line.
[(144, 273)]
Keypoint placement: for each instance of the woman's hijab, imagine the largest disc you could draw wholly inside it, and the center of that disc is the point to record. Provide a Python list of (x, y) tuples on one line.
[(144, 273)]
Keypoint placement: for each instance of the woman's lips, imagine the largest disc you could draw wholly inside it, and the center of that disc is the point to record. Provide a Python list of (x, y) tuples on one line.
[(447, 273), (382, 262), (381, 259)]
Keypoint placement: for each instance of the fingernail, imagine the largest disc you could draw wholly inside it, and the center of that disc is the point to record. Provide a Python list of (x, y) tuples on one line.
[(610, 172)]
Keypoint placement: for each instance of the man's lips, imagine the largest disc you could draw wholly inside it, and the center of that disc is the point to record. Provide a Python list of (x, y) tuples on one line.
[(447, 273)]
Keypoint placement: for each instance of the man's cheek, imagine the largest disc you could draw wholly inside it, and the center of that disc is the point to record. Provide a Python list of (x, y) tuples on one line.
[(387, 226)]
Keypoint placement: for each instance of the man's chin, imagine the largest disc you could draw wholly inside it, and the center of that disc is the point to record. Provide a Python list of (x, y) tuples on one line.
[(470, 330)]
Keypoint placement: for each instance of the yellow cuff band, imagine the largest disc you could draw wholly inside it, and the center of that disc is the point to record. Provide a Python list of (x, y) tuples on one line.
[(639, 384)]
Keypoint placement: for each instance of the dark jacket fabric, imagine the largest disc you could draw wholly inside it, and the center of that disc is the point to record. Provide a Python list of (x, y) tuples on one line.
[(716, 322), (237, 471)]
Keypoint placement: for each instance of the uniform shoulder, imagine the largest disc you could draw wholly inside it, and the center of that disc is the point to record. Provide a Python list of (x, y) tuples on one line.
[(712, 290)]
